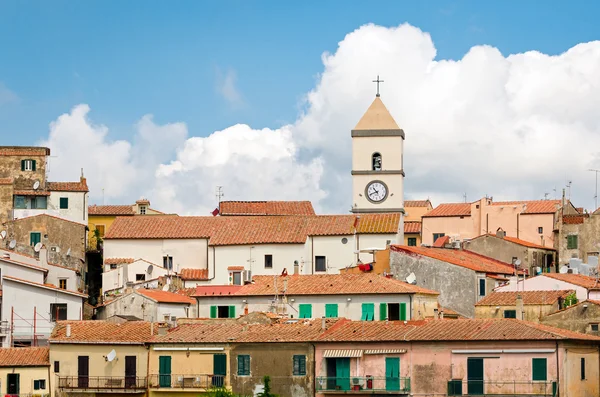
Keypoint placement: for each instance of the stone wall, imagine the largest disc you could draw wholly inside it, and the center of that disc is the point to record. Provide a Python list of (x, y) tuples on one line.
[(588, 239), (10, 167), (6, 202), (576, 318)]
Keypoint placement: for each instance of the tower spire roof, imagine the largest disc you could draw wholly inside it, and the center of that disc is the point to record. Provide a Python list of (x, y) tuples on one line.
[(377, 117)]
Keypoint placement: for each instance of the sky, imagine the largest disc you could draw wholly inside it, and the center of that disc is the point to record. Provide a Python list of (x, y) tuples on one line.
[(167, 100)]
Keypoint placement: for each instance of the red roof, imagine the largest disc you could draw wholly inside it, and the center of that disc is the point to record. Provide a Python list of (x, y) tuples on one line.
[(450, 209), (441, 242), (266, 208), (31, 193), (416, 203), (509, 298), (24, 357), (68, 186), (464, 258), (193, 274), (575, 279), (575, 219), (117, 261), (210, 290), (515, 240), (132, 332), (110, 210), (412, 227), (164, 296)]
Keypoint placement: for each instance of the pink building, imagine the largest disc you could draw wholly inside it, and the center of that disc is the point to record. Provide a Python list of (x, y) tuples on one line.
[(455, 357), (531, 221)]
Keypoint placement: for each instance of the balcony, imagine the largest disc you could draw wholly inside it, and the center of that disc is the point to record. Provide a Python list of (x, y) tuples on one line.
[(362, 385), (102, 384), (502, 388), (185, 382)]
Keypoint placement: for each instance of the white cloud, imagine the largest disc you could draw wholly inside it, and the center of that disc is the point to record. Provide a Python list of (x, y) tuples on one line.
[(226, 87), (512, 127), (6, 95)]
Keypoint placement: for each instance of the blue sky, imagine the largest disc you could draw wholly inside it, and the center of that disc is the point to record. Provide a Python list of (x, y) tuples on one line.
[(129, 58)]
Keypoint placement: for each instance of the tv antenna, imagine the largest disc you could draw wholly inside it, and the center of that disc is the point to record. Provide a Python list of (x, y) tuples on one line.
[(465, 196), (596, 192), (219, 194), (546, 196)]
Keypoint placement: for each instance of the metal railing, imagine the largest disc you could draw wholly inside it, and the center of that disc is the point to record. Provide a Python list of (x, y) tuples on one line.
[(460, 387), (362, 384), (188, 381), (102, 383)]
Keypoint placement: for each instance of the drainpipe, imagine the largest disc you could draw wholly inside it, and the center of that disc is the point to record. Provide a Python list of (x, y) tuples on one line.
[(214, 263), (557, 372), (410, 299), (312, 255)]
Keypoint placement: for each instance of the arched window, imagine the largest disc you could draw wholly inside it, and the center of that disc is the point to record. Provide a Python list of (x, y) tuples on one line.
[(376, 161)]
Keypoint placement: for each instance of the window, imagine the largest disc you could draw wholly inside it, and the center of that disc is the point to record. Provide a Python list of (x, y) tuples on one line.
[(39, 203), (320, 264), (34, 238), (168, 262), (268, 261), (142, 210), (27, 165), (510, 314), (376, 161), (482, 287), (57, 366), (39, 384), (368, 312), (58, 311), (582, 368), (438, 235), (100, 229), (331, 310), (412, 241), (594, 327), (237, 278), (540, 230), (572, 242), (140, 277), (243, 361), (62, 283), (305, 310), (20, 202), (539, 370), (299, 367), (13, 384), (64, 203), (222, 312), (113, 266)]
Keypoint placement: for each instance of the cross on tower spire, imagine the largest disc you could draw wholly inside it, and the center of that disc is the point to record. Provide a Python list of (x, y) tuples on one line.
[(377, 81)]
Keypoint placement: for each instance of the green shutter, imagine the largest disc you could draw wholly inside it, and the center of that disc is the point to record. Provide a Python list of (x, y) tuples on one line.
[(34, 238), (22, 165), (220, 364), (572, 242), (243, 365), (36, 385), (403, 312), (213, 312), (231, 311), (368, 312), (299, 365), (383, 311), (64, 203), (33, 165), (164, 371), (305, 310), (331, 310), (539, 369)]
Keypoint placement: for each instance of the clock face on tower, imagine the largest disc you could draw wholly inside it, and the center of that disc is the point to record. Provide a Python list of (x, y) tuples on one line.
[(376, 192)]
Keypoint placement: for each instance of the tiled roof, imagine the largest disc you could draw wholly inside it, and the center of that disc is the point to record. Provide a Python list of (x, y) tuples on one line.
[(143, 202), (48, 216), (24, 357), (509, 298), (575, 279), (416, 203), (68, 186), (110, 210), (330, 284), (574, 219), (24, 264), (210, 290), (464, 258), (193, 274), (235, 230), (46, 286), (515, 240), (447, 330), (164, 296), (38, 192), (534, 206), (266, 208), (496, 277), (412, 227), (450, 209), (117, 261), (6, 181), (441, 242), (235, 267), (24, 151), (134, 332)]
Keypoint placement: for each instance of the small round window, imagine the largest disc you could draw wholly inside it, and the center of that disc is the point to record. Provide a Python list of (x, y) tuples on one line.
[(344, 240)]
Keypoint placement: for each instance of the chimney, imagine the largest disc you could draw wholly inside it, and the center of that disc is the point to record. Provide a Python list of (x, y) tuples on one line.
[(500, 233), (296, 267), (68, 331), (436, 314), (323, 324), (162, 329), (441, 314), (519, 308)]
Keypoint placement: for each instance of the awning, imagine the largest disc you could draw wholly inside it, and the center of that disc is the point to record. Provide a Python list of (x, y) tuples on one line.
[(342, 353), (385, 351)]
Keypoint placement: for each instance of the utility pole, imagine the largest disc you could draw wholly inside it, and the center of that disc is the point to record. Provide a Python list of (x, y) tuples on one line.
[(595, 194)]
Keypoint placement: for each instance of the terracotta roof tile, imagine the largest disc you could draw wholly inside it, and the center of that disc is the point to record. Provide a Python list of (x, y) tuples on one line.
[(164, 296), (259, 230), (574, 219), (450, 209), (39, 192), (266, 208), (417, 203), (441, 242), (379, 223), (134, 332), (515, 240), (46, 286), (464, 258), (575, 279), (24, 357), (117, 261), (110, 210), (193, 274), (24, 151), (143, 202), (330, 284), (68, 186), (509, 298), (210, 290), (6, 181), (412, 227), (235, 268)]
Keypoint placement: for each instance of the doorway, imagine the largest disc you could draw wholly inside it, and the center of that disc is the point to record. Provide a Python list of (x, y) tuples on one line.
[(130, 372), (338, 373), (393, 311), (219, 370), (475, 376), (392, 373), (83, 372), (12, 384)]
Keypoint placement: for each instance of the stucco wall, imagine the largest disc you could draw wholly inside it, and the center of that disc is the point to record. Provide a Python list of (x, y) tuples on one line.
[(543, 283), (570, 368), (22, 272), (26, 377), (10, 167), (588, 238), (395, 186), (576, 318), (6, 202), (77, 206), (530, 312), (450, 225), (144, 308), (113, 279)]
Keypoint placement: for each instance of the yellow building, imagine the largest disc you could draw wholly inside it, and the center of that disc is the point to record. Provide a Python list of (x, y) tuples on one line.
[(415, 209), (99, 358), (24, 371), (100, 217), (524, 305)]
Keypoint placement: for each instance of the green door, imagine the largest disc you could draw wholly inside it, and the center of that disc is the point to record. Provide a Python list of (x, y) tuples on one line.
[(164, 371), (475, 376), (392, 373), (342, 373), (219, 370)]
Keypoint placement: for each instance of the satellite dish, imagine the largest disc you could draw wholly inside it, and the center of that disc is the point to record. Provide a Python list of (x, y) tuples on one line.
[(69, 252), (36, 185), (411, 279), (538, 270), (149, 270), (518, 263), (37, 247), (3, 234), (564, 269), (12, 244), (111, 356)]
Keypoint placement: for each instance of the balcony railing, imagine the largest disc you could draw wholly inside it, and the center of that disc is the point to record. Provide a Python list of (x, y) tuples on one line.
[(502, 388), (391, 385), (100, 383), (189, 381)]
